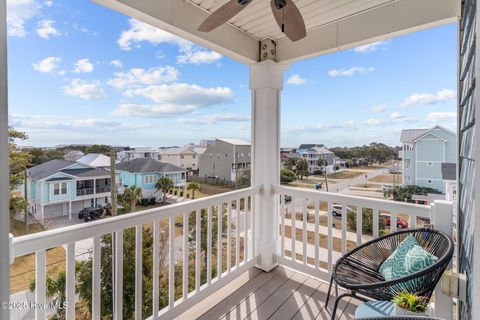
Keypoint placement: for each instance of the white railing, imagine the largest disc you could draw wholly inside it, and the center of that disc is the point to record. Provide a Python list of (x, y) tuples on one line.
[(184, 222), (314, 230)]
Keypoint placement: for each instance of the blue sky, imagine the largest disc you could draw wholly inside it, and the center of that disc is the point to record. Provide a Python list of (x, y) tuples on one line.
[(81, 73)]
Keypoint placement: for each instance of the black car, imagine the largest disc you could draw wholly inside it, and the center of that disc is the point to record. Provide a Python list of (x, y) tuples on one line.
[(91, 213)]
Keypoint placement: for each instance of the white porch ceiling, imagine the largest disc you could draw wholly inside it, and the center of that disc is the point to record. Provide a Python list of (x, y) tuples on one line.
[(332, 25), (257, 19)]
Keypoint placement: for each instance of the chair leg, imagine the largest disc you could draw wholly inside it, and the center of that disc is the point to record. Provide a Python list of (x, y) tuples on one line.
[(337, 300), (329, 290)]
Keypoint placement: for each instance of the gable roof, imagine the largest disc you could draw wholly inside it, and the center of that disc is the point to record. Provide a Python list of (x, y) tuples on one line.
[(408, 135), (449, 171), (86, 172), (48, 168), (236, 142), (321, 150), (177, 150), (309, 145), (144, 165), (95, 160)]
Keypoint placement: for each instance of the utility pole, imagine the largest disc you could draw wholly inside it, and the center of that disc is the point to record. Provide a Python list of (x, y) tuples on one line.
[(113, 184), (325, 171), (26, 199)]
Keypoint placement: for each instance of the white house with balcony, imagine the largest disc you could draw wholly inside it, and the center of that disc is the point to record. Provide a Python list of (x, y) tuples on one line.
[(185, 157), (59, 188), (266, 273), (137, 153)]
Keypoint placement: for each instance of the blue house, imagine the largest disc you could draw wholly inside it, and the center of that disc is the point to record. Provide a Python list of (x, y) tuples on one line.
[(144, 173), (424, 152), (59, 188)]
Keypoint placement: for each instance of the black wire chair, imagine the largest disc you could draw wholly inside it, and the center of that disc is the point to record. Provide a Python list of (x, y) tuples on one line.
[(357, 271)]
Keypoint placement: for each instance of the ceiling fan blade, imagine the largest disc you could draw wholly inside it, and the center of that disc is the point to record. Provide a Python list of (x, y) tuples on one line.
[(290, 20), (223, 14)]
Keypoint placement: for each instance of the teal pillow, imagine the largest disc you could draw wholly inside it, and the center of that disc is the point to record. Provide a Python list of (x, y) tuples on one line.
[(394, 266)]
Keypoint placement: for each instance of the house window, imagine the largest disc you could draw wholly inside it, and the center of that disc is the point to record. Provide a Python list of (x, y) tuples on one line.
[(148, 179), (213, 167), (181, 157), (429, 181), (56, 189), (64, 188), (429, 164), (194, 156), (60, 188), (407, 163)]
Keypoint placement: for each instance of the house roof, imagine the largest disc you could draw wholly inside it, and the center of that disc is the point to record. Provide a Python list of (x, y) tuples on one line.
[(237, 142), (408, 135), (59, 179), (95, 160), (309, 146), (321, 150), (292, 155), (48, 168), (199, 150), (86, 172), (449, 171), (177, 150), (75, 153), (147, 165)]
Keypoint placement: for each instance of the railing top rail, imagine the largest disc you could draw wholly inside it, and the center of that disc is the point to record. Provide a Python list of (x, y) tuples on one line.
[(380, 204), (52, 238)]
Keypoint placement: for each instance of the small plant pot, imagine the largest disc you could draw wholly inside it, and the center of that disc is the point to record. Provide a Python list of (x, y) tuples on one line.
[(399, 311)]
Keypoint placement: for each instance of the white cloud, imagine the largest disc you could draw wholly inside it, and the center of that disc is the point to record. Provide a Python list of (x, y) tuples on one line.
[(46, 28), (137, 76), (346, 125), (173, 99), (83, 66), (140, 32), (212, 119), (350, 72), (297, 80), (443, 95), (84, 89), (48, 65), (371, 47), (18, 13), (193, 55), (393, 118), (379, 108), (441, 116), (116, 63), (396, 116)]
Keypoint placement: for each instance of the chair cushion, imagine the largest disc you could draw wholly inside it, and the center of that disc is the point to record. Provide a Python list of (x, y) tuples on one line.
[(407, 259), (395, 265)]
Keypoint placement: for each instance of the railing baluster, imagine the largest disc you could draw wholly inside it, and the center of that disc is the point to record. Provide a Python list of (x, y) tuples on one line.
[(344, 229), (304, 233), (185, 256), (118, 312), (237, 234), (330, 239), (156, 267), (245, 229), (254, 246), (219, 239), (375, 223), (40, 285), (198, 255), (96, 281), (359, 225), (317, 242), (393, 222), (293, 230), (171, 262), (412, 222), (229, 236), (138, 270), (282, 225), (70, 285), (209, 245)]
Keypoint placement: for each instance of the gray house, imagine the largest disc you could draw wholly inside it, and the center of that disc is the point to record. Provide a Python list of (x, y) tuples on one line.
[(225, 159), (313, 153)]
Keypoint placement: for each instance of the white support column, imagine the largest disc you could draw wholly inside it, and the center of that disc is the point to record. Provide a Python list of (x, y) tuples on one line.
[(442, 220), (4, 187), (266, 82)]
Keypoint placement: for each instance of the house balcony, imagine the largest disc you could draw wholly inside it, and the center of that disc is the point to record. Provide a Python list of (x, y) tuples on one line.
[(226, 232), (85, 192)]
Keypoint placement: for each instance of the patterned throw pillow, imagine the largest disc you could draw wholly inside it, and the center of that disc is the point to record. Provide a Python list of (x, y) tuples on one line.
[(418, 259), (395, 265)]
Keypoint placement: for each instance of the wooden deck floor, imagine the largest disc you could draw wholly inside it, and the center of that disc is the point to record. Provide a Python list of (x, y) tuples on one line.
[(281, 294)]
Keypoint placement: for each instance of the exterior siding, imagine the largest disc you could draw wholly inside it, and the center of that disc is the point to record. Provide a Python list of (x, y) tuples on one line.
[(467, 174)]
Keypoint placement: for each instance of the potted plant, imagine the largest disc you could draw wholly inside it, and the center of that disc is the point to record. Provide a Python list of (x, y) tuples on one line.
[(407, 304)]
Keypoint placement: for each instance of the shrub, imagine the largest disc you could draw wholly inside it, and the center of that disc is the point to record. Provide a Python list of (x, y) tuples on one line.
[(287, 176), (367, 221), (152, 201)]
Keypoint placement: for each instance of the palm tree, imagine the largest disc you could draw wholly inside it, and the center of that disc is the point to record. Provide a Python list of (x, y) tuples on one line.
[(193, 186), (164, 185), (131, 196), (55, 290)]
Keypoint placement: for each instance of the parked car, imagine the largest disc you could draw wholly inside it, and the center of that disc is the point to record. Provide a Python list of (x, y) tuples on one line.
[(396, 171), (287, 198), (337, 210), (90, 213), (401, 224)]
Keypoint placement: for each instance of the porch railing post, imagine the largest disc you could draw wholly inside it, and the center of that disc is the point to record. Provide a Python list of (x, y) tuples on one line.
[(442, 220), (266, 82), (4, 169)]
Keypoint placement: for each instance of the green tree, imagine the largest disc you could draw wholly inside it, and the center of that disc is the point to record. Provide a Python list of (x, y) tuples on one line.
[(367, 221), (290, 163), (98, 148), (405, 193), (301, 169), (349, 163), (193, 186), (130, 197), (164, 185), (286, 176), (55, 290), (244, 179), (19, 160), (40, 156)]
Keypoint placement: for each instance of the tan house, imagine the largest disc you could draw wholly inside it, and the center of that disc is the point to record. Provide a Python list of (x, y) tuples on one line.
[(184, 157)]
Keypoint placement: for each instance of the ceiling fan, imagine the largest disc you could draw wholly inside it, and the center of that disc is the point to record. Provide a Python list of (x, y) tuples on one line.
[(286, 13)]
